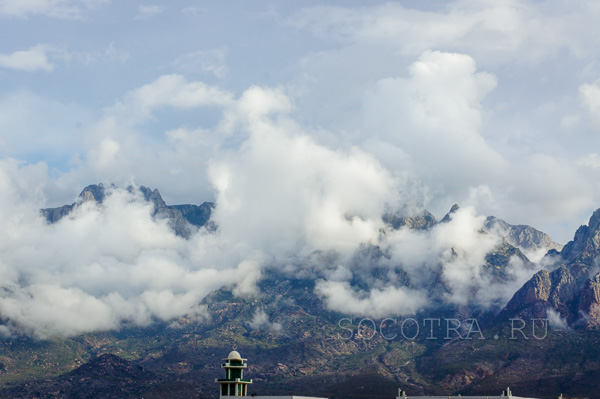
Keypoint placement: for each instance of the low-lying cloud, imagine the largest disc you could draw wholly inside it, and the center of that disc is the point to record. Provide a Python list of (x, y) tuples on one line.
[(285, 201)]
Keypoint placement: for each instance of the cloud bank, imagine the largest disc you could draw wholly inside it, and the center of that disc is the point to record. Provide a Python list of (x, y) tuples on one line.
[(373, 110), (283, 201)]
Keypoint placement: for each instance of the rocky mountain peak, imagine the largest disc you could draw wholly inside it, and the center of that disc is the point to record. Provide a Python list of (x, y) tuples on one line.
[(522, 236), (585, 246), (448, 216), (183, 219), (93, 192), (154, 197), (594, 222), (419, 220)]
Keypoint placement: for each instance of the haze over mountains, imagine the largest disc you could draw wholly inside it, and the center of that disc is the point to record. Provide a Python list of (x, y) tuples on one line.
[(284, 313), (415, 262)]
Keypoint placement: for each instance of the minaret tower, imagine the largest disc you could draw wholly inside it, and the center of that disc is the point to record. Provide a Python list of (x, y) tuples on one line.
[(234, 383)]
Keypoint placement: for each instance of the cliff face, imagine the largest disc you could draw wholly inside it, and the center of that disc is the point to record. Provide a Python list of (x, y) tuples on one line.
[(585, 246), (568, 288), (589, 304)]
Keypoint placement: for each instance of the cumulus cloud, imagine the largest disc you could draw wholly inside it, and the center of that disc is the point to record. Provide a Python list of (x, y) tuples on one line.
[(102, 267), (30, 60), (453, 253), (114, 263), (285, 200), (513, 117), (435, 114), (287, 186), (167, 91)]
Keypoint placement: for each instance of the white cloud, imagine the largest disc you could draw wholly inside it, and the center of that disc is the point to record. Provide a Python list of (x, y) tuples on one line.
[(500, 32), (149, 11), (260, 321), (65, 9), (454, 253), (590, 96), (167, 91), (102, 266), (434, 118), (283, 191), (556, 320), (283, 200), (379, 303), (31, 60)]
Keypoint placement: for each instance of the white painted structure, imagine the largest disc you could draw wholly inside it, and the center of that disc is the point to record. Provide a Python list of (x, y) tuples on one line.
[(506, 394), (234, 383), (286, 397)]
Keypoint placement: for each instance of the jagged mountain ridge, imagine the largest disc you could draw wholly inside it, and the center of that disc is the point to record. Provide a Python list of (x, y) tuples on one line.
[(183, 219), (572, 285), (297, 347), (523, 236)]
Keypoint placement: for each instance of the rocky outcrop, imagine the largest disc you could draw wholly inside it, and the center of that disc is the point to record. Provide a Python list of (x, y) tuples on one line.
[(447, 217), (94, 192), (183, 219), (585, 246), (568, 288), (198, 215), (522, 236), (419, 221), (589, 304), (498, 261), (557, 290)]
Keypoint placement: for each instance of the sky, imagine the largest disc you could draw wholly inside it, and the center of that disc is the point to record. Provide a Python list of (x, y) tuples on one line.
[(313, 118), (491, 104)]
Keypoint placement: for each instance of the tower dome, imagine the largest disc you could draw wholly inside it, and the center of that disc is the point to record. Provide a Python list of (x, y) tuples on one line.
[(234, 383)]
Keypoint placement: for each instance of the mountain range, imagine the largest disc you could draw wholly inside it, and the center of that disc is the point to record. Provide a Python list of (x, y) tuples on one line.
[(294, 342)]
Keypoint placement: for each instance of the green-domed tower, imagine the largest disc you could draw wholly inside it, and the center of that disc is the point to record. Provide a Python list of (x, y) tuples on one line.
[(234, 383)]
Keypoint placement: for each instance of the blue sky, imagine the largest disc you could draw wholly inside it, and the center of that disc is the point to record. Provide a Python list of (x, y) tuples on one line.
[(494, 104)]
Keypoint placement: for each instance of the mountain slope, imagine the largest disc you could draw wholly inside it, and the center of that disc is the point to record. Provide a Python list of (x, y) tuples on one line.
[(295, 343), (570, 289)]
